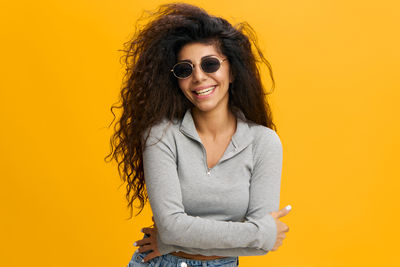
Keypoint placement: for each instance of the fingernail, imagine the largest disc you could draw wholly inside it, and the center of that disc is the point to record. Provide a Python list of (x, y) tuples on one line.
[(135, 244), (288, 207)]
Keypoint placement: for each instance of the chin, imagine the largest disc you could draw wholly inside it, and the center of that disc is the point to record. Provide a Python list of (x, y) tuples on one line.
[(205, 108)]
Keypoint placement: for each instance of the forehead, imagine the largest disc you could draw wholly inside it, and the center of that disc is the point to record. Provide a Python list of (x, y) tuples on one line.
[(196, 51)]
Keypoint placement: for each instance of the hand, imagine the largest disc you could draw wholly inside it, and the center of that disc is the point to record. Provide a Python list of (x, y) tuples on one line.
[(281, 227), (149, 243)]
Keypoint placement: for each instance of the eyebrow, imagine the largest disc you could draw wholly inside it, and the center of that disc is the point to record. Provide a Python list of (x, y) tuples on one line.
[(189, 61)]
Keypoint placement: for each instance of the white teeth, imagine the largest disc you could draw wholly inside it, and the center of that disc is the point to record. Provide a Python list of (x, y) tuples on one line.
[(205, 91)]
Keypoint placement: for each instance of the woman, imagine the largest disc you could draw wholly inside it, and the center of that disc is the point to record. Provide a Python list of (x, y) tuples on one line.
[(198, 132)]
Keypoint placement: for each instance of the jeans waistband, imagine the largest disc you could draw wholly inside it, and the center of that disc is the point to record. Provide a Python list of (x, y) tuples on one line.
[(190, 262)]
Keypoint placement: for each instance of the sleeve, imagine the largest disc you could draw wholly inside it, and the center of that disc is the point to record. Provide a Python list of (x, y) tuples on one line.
[(227, 252), (176, 228)]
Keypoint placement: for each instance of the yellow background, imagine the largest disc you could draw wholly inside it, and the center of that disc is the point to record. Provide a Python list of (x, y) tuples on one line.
[(336, 106)]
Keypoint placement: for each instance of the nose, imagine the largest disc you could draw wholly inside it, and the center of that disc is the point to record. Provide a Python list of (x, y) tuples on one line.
[(198, 74)]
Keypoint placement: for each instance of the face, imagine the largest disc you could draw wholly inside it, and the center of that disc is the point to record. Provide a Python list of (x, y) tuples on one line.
[(195, 87)]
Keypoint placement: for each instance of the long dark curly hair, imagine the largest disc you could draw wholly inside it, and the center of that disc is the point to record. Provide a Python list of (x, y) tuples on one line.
[(150, 92)]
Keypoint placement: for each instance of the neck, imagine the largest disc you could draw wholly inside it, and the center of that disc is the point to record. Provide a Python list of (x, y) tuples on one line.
[(215, 123)]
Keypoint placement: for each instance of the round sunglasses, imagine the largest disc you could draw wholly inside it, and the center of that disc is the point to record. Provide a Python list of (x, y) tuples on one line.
[(183, 70)]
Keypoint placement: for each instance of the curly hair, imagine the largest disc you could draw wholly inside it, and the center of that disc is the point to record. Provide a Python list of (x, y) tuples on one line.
[(151, 93)]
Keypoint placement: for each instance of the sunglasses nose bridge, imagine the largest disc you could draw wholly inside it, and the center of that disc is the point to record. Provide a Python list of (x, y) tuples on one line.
[(197, 72)]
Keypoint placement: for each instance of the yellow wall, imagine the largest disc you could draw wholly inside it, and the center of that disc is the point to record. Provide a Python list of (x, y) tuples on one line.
[(336, 106)]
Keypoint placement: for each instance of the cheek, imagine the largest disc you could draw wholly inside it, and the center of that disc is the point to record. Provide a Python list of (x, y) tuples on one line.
[(224, 74), (184, 86), (224, 78)]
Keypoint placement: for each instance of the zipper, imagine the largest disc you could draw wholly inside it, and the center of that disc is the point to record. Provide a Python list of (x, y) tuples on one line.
[(205, 162), (222, 159), (208, 170)]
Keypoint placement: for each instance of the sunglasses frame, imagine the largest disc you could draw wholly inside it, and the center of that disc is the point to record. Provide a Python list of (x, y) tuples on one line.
[(192, 65)]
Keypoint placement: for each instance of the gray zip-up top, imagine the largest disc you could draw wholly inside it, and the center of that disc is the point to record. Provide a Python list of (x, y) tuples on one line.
[(222, 211)]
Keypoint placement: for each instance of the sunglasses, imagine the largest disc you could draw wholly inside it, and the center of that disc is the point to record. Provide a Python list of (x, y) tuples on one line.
[(183, 70)]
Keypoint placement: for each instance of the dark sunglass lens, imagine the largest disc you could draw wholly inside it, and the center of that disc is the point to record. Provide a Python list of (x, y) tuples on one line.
[(183, 70), (210, 65)]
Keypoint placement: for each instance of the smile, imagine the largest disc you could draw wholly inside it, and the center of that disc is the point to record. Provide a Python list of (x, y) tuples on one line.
[(205, 92)]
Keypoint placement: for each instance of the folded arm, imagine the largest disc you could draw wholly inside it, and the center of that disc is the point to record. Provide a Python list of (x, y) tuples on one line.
[(255, 236)]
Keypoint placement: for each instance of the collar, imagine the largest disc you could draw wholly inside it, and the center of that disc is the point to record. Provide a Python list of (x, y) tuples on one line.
[(241, 138)]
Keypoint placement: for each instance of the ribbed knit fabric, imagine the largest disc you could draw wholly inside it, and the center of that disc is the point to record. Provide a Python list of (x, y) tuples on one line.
[(221, 211)]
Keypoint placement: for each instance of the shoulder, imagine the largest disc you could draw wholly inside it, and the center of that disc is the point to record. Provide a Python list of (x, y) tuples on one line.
[(264, 136), (164, 130), (266, 143), (266, 146)]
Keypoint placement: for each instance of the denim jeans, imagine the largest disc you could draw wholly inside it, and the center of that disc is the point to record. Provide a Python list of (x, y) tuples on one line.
[(169, 260)]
